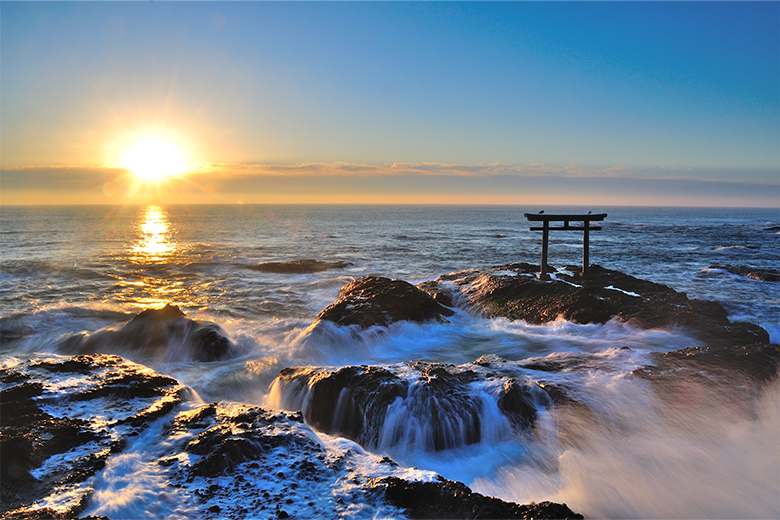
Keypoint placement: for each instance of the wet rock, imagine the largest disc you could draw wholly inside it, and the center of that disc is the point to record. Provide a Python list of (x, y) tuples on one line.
[(230, 437), (439, 292), (517, 401), (764, 275), (759, 361), (602, 295), (153, 332), (342, 401), (43, 423), (306, 265), (374, 300), (432, 406), (447, 499)]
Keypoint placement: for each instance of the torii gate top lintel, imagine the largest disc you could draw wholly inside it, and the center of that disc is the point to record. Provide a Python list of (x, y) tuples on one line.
[(546, 228), (541, 217)]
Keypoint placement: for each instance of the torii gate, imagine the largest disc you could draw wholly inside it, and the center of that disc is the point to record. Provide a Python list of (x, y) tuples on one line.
[(546, 228)]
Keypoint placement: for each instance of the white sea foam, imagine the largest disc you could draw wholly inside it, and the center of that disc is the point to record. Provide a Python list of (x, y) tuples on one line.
[(698, 452)]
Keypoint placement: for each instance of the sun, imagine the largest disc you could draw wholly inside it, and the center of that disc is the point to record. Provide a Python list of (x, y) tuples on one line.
[(154, 160)]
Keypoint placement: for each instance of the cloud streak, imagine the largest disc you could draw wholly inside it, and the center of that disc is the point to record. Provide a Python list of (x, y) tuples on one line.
[(342, 182), (344, 169)]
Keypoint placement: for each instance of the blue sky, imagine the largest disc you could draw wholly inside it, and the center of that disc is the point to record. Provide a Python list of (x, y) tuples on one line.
[(662, 91)]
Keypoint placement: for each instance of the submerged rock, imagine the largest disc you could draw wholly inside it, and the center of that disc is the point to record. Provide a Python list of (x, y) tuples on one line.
[(764, 275), (305, 265), (447, 499), (165, 332), (374, 300), (424, 406)]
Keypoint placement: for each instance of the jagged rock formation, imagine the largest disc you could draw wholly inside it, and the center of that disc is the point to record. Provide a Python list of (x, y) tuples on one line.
[(41, 422)]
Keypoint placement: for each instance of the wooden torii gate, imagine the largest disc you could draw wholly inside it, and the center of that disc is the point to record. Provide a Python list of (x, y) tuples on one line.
[(586, 228)]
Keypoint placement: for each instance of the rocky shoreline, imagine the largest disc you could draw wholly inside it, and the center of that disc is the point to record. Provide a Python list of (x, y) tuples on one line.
[(64, 418)]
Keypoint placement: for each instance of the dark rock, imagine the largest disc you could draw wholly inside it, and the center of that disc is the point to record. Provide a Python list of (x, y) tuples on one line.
[(517, 401), (759, 361), (603, 295), (448, 499), (368, 391), (29, 437), (439, 293), (306, 265), (152, 331), (232, 438), (764, 275), (374, 300), (437, 409)]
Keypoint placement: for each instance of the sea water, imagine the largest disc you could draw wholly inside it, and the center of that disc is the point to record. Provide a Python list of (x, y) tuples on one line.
[(694, 451)]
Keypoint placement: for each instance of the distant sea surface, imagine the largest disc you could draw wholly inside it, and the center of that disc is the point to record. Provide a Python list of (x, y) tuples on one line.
[(67, 270)]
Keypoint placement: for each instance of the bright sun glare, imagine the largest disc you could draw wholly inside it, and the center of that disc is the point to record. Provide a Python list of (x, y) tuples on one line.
[(154, 160)]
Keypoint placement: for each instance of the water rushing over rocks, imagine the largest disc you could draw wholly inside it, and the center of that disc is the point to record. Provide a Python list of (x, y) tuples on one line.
[(648, 390)]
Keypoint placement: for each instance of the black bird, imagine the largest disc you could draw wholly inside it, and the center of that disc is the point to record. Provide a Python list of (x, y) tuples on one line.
[(541, 212), (588, 212)]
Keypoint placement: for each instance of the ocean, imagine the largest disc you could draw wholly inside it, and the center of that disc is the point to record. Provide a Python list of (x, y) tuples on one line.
[(80, 269)]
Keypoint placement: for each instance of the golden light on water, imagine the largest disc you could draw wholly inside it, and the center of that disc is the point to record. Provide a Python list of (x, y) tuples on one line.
[(155, 241)]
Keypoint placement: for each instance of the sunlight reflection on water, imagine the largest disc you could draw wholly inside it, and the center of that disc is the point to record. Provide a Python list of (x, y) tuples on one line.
[(155, 241), (154, 249)]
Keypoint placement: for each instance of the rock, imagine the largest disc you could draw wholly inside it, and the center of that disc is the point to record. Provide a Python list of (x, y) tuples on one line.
[(439, 293), (433, 406), (447, 499), (373, 300), (163, 332), (758, 361), (601, 296), (764, 275), (306, 265), (73, 441)]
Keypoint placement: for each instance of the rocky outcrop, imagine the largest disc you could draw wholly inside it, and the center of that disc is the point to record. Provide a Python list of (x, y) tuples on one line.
[(512, 291), (306, 265), (447, 499), (44, 420), (428, 406), (374, 300), (758, 361), (63, 419), (165, 332)]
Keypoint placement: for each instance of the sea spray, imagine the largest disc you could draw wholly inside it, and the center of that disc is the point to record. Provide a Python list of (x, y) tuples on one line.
[(700, 452)]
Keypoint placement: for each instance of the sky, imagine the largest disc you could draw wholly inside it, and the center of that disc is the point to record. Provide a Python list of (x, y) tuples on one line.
[(613, 103)]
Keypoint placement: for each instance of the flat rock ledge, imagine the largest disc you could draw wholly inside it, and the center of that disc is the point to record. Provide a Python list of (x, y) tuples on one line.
[(375, 300)]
